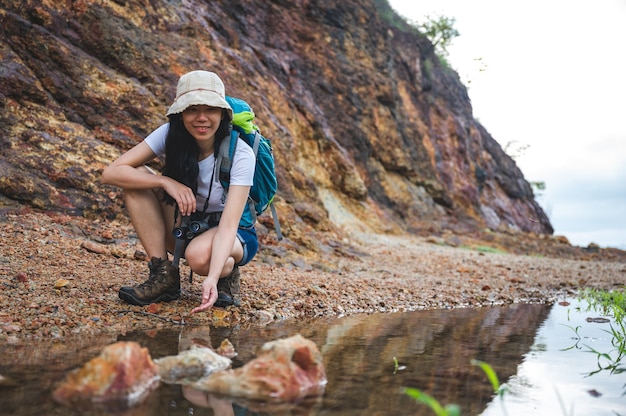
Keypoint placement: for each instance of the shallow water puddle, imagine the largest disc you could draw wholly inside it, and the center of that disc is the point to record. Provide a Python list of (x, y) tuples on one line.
[(369, 359), (561, 375)]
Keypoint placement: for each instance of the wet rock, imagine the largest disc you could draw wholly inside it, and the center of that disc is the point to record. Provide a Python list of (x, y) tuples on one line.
[(285, 370), (227, 349), (122, 376), (599, 320), (5, 381), (191, 365)]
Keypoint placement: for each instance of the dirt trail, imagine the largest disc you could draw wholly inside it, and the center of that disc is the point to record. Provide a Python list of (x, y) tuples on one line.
[(60, 276)]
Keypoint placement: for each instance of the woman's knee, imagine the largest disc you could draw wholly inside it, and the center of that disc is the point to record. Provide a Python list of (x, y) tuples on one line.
[(228, 267), (145, 205), (199, 262), (198, 258)]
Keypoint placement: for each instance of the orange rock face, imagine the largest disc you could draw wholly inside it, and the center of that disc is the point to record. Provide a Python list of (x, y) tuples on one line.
[(366, 126), (122, 375), (284, 370)]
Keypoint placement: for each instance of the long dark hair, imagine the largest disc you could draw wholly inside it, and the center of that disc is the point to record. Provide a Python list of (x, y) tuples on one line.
[(182, 152)]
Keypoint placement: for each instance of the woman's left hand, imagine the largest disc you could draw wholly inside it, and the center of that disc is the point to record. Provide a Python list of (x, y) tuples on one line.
[(209, 295)]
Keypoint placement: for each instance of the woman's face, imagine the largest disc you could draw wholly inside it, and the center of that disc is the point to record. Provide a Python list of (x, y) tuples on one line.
[(202, 121)]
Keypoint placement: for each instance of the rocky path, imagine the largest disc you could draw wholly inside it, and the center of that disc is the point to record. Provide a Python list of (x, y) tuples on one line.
[(60, 275)]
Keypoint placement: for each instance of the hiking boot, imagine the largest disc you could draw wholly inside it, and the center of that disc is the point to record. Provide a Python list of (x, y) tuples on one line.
[(163, 285), (228, 290)]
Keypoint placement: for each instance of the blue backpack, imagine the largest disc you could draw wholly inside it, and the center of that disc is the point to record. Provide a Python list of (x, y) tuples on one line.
[(264, 184)]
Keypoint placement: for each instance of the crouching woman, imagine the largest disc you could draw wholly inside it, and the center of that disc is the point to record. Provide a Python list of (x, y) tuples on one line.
[(199, 120)]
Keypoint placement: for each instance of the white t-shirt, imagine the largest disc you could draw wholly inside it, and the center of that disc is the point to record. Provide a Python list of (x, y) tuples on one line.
[(241, 172)]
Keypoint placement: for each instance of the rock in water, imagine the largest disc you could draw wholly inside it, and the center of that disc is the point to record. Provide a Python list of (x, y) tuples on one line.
[(191, 365), (227, 349), (287, 369), (123, 375)]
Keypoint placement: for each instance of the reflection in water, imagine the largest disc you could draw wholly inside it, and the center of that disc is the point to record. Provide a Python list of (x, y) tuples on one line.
[(434, 348), (557, 376)]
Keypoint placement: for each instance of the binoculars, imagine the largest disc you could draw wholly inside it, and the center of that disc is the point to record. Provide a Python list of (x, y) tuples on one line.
[(190, 230)]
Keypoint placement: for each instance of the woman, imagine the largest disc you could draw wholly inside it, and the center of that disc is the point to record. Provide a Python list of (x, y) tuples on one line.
[(199, 119)]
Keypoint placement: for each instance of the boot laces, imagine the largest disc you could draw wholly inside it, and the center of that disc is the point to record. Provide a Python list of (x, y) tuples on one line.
[(156, 271)]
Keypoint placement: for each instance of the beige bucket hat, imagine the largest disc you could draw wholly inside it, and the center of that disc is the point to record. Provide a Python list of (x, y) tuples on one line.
[(199, 88)]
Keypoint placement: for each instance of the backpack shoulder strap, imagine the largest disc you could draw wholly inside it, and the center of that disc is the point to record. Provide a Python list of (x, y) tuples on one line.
[(224, 161)]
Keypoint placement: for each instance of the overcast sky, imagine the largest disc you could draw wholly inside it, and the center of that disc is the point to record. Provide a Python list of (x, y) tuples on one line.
[(551, 76)]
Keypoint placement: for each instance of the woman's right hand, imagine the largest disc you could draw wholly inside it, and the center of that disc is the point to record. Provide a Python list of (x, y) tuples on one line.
[(182, 194), (209, 295)]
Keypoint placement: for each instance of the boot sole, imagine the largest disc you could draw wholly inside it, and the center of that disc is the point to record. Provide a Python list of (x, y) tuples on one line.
[(129, 298)]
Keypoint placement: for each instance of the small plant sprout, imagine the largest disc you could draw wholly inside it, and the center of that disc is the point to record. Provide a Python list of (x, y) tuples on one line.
[(612, 304), (396, 366), (498, 389), (491, 375), (577, 338), (435, 406), (454, 409)]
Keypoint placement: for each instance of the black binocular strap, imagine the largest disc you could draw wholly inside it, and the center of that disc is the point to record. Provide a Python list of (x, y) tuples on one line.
[(181, 242)]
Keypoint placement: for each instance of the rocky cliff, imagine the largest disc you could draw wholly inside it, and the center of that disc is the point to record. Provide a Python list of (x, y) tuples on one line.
[(370, 130)]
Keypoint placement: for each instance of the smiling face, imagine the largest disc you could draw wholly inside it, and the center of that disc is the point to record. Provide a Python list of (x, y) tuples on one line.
[(202, 121)]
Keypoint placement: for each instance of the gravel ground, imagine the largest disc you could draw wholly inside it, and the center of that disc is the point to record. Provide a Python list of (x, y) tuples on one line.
[(60, 276)]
